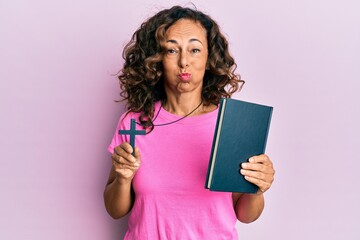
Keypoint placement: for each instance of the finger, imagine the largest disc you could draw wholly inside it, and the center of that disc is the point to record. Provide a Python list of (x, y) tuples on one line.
[(254, 174), (137, 153), (125, 146), (263, 186), (124, 163), (267, 175), (133, 167), (253, 166), (260, 167), (263, 158), (122, 155)]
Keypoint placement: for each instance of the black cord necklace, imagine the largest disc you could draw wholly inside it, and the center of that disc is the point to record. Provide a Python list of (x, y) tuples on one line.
[(177, 120)]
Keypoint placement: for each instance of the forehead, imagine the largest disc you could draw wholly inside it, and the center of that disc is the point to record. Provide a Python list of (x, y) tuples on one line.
[(186, 28)]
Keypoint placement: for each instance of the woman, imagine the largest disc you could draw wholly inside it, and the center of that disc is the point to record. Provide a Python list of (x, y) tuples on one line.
[(177, 68)]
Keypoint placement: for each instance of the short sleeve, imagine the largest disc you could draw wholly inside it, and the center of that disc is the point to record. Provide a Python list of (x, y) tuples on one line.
[(124, 123)]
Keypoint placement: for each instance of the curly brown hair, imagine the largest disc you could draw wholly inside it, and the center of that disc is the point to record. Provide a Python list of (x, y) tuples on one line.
[(141, 81)]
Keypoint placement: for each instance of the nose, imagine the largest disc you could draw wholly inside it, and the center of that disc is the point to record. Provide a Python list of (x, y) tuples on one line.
[(183, 61)]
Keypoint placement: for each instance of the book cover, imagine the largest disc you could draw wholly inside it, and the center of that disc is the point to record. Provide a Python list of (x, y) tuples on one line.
[(241, 132)]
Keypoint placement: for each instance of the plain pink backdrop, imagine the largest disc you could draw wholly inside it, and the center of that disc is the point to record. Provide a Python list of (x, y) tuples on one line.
[(57, 92)]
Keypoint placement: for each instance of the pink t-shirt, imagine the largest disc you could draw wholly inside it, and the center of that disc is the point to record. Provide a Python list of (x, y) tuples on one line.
[(171, 201)]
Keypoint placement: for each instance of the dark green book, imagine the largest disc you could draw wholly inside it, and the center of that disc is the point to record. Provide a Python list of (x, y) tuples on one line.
[(241, 132)]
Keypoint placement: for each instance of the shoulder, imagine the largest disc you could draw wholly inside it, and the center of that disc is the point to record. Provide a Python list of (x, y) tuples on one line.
[(128, 115), (210, 108), (125, 118)]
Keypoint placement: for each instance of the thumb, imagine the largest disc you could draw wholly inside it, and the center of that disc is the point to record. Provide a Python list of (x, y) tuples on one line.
[(137, 153)]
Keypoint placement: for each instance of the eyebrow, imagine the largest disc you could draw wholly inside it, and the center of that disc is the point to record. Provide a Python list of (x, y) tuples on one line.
[(191, 40)]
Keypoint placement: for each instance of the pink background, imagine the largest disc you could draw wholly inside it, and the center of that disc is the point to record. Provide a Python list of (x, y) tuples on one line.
[(57, 92)]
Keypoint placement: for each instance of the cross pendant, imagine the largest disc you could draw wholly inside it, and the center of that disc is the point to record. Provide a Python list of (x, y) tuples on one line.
[(132, 132)]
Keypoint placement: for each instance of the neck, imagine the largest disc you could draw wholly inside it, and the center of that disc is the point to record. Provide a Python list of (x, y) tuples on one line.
[(183, 105)]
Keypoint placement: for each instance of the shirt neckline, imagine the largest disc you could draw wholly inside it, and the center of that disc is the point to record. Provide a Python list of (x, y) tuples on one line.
[(166, 117)]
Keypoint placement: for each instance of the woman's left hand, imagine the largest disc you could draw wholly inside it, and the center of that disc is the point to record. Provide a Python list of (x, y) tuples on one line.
[(260, 171)]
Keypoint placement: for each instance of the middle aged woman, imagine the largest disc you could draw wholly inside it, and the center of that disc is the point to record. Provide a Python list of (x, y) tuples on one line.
[(177, 68)]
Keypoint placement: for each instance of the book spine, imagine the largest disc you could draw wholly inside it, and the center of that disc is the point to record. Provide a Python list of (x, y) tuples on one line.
[(215, 142)]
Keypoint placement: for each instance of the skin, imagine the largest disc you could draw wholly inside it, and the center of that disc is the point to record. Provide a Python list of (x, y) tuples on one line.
[(185, 51)]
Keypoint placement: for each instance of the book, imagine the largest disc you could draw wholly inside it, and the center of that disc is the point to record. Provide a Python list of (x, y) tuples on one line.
[(241, 132)]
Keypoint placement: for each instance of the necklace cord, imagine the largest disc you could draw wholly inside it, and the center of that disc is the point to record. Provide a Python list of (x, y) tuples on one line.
[(177, 120)]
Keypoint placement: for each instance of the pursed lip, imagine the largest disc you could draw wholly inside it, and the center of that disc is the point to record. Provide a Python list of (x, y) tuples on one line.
[(184, 76)]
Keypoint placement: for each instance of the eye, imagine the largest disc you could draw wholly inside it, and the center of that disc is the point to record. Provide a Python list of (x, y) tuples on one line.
[(195, 50), (171, 51)]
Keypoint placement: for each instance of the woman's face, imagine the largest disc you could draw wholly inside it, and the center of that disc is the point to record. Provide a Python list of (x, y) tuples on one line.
[(185, 57)]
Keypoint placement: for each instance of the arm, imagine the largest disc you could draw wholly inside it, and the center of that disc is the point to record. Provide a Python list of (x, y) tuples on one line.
[(118, 194), (260, 171), (248, 207)]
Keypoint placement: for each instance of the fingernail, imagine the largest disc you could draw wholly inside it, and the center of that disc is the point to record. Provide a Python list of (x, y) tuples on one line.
[(244, 165), (242, 171), (136, 164)]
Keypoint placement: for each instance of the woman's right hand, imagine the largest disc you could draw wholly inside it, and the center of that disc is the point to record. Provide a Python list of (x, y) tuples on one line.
[(125, 164)]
